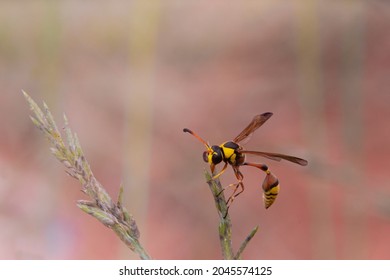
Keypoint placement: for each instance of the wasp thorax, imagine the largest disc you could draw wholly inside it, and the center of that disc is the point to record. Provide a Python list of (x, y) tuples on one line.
[(213, 155)]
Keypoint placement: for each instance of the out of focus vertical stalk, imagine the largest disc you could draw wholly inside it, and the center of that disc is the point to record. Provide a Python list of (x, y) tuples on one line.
[(355, 238), (48, 75), (49, 51), (142, 32), (312, 104)]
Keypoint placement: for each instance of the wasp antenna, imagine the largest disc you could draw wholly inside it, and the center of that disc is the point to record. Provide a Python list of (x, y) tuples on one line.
[(196, 136)]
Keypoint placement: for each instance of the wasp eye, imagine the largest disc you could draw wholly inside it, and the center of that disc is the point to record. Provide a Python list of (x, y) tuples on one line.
[(206, 156)]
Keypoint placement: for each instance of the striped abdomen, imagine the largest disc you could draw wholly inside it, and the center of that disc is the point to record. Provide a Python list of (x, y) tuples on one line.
[(271, 189)]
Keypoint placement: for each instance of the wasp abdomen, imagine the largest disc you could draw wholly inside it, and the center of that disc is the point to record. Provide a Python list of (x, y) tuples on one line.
[(271, 189)]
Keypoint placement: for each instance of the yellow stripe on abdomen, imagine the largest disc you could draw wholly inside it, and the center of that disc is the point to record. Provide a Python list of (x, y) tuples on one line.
[(270, 189), (270, 196)]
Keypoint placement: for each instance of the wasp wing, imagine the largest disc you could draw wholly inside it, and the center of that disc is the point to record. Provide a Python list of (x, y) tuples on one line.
[(257, 121), (278, 157)]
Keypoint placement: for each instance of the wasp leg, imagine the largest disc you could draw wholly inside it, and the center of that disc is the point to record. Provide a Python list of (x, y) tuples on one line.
[(270, 185), (258, 165), (236, 191), (229, 186), (220, 172), (231, 198), (218, 194), (228, 201)]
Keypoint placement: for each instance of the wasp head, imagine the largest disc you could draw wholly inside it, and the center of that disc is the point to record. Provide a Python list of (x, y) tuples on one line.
[(213, 155)]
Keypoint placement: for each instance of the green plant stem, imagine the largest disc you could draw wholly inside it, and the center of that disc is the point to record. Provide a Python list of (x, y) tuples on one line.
[(225, 226), (245, 242)]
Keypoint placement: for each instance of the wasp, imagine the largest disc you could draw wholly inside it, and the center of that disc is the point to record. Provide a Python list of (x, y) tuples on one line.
[(233, 154)]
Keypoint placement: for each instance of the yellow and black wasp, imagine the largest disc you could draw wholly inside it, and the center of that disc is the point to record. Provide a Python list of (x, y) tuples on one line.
[(231, 152)]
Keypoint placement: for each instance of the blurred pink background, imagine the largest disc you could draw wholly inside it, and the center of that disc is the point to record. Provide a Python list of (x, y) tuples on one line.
[(131, 75)]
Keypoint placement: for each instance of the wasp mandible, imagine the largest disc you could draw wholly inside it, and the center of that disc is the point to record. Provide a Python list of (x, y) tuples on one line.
[(233, 154)]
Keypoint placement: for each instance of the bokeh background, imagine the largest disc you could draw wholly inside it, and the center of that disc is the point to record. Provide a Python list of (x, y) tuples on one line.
[(130, 75)]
